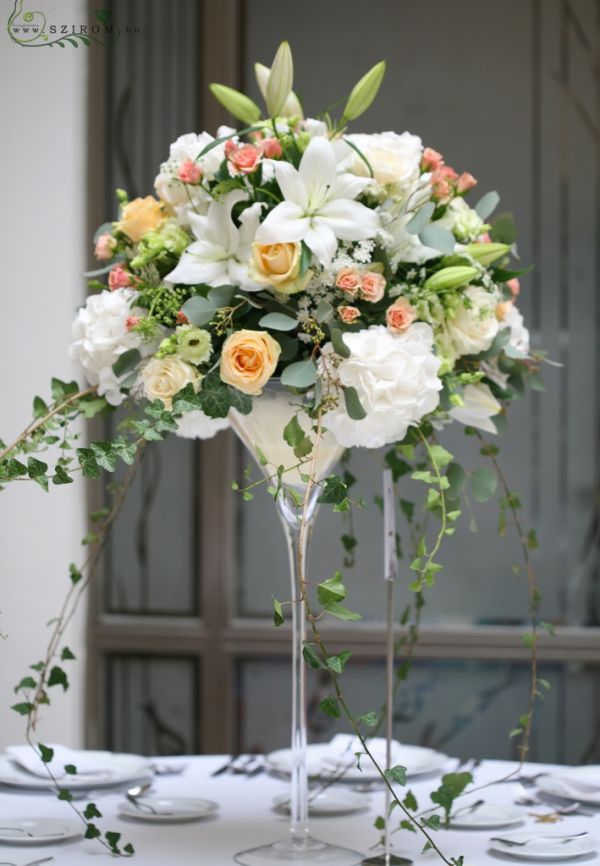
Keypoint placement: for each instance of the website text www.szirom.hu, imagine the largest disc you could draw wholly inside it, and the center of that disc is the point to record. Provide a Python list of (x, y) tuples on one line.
[(72, 29)]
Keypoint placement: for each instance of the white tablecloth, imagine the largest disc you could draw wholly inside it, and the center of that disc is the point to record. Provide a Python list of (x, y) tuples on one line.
[(245, 819)]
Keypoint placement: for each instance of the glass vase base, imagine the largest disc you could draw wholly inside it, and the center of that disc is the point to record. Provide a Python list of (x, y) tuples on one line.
[(389, 860), (308, 852)]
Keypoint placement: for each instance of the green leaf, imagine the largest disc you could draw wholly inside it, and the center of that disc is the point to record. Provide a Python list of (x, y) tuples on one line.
[(36, 468), (221, 296), (532, 541), (74, 573), (91, 811), (324, 311), (91, 831), (297, 439), (504, 230), (337, 663), (421, 218), (329, 706), (369, 719), (14, 468), (60, 476), (379, 823), (339, 346), (433, 822), (483, 484), (242, 403), (335, 490), (301, 374), (331, 590), (87, 461), (215, 402), (278, 617), (23, 709), (439, 456), (305, 259), (199, 310), (311, 658), (39, 407), (66, 654), (340, 611), (65, 794), (58, 677), (126, 362), (105, 456), (410, 802), (457, 478), (112, 838), (453, 784), (396, 774), (70, 769), (398, 466), (125, 450), (487, 204), (354, 407), (46, 753), (26, 683), (438, 238), (278, 322), (62, 389)]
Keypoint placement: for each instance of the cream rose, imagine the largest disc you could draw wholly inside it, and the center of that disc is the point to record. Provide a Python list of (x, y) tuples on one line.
[(164, 377), (248, 360), (278, 265), (140, 216), (473, 328)]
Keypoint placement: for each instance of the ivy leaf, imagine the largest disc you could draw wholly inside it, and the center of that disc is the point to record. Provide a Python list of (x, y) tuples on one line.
[(46, 753), (397, 774), (92, 832), (369, 719), (58, 677), (440, 456), (39, 407), (88, 463), (335, 490), (329, 706), (340, 611), (65, 794), (105, 456), (297, 439), (36, 468), (242, 403), (23, 709), (26, 683), (74, 573), (60, 476), (311, 658), (337, 663), (91, 811), (483, 484), (410, 802), (185, 400), (453, 784), (331, 590), (215, 402), (70, 769), (66, 654), (124, 449), (278, 617), (14, 468)]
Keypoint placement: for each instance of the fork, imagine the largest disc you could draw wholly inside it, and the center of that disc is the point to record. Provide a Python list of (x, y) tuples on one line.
[(561, 839)]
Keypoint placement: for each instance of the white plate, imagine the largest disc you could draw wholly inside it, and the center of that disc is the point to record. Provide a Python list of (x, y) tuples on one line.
[(554, 785), (118, 770), (38, 831), (417, 760), (331, 801), (489, 816), (544, 848), (167, 809)]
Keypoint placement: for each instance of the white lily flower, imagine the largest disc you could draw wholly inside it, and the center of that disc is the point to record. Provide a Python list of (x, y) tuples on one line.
[(220, 254), (318, 206), (480, 405)]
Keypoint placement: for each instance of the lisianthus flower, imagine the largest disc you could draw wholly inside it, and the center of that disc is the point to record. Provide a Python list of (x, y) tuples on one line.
[(319, 204)]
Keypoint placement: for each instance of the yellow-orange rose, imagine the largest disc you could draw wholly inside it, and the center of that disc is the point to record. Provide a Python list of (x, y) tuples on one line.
[(248, 360), (278, 265), (139, 216), (165, 377)]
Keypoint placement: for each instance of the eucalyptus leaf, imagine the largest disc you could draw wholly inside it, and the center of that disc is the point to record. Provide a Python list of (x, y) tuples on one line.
[(421, 218), (200, 311), (324, 311), (354, 407), (339, 346), (438, 238), (278, 322), (221, 296), (487, 204), (301, 374)]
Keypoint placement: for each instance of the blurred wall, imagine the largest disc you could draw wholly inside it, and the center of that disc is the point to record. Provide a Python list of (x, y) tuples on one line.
[(44, 237)]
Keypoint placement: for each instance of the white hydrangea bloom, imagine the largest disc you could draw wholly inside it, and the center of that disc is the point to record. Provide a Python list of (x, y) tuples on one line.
[(197, 425), (100, 335), (396, 379)]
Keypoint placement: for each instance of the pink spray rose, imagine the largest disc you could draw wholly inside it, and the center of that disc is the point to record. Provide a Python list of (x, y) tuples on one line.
[(189, 172), (373, 285), (348, 314), (119, 278), (105, 246), (349, 281), (244, 159), (400, 316)]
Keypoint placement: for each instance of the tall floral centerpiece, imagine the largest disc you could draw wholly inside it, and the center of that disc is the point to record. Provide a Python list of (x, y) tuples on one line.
[(316, 290)]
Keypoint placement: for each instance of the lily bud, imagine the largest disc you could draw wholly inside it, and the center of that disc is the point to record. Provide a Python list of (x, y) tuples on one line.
[(236, 103), (280, 81), (364, 92), (485, 254), (450, 278), (291, 107)]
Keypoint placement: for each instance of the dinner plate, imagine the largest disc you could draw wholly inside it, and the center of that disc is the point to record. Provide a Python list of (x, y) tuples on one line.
[(417, 760), (167, 810), (38, 831), (488, 816), (331, 801), (543, 847), (118, 769), (557, 784)]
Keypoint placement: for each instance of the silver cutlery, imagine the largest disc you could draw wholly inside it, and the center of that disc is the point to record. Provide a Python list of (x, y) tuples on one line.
[(562, 840), (27, 833), (225, 767), (31, 862), (134, 796), (242, 765), (559, 805)]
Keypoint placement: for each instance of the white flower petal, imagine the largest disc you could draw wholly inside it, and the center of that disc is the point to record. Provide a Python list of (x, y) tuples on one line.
[(318, 170), (290, 183), (320, 238), (349, 220), (348, 185), (202, 262), (284, 224)]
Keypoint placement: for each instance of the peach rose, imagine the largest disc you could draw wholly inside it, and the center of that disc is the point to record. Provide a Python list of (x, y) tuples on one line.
[(348, 281), (119, 278), (140, 216), (105, 246), (514, 285), (372, 287), (248, 360), (348, 314), (244, 159), (278, 265), (400, 316), (431, 159), (465, 182), (189, 172), (271, 148)]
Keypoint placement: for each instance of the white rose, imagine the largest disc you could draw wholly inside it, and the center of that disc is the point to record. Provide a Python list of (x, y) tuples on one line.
[(473, 328), (479, 407), (464, 222), (185, 197), (395, 160), (100, 335), (519, 334), (197, 425), (164, 377), (395, 376)]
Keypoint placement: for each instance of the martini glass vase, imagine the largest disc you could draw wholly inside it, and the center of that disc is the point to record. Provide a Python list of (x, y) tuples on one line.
[(263, 429)]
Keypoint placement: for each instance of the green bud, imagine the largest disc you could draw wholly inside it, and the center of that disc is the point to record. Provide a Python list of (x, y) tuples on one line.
[(291, 107), (364, 92), (193, 344), (450, 278), (485, 254), (280, 81), (236, 103)]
